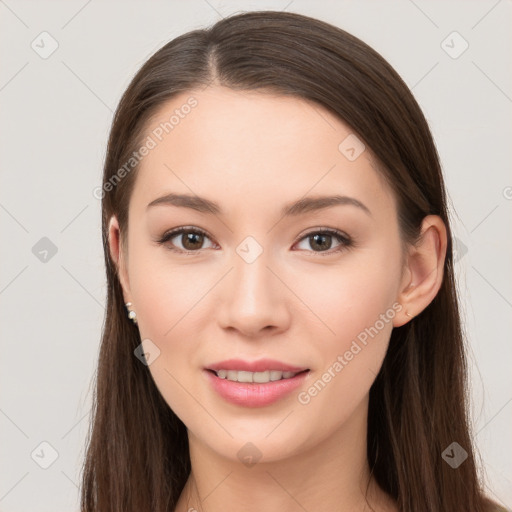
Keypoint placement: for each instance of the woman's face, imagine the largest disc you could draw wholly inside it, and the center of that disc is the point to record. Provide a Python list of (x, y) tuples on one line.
[(264, 281)]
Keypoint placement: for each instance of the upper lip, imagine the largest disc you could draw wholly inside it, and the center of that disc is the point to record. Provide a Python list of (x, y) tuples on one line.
[(260, 365)]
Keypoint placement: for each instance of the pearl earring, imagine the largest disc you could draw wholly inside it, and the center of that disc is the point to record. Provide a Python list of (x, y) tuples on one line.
[(131, 314)]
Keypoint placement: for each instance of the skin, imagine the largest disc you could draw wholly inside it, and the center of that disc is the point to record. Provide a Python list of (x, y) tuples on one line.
[(253, 152)]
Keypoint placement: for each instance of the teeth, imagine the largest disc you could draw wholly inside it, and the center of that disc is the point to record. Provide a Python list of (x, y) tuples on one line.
[(258, 377)]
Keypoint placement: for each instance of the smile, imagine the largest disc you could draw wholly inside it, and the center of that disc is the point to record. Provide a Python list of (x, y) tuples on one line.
[(255, 377), (255, 389)]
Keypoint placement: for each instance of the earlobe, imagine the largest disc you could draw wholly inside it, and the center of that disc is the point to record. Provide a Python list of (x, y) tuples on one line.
[(425, 270), (117, 255)]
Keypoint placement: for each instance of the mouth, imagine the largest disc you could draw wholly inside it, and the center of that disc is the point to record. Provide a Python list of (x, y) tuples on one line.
[(255, 389), (255, 377), (258, 372)]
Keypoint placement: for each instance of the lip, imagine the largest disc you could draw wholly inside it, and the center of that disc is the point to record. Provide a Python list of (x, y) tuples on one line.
[(254, 394), (260, 365)]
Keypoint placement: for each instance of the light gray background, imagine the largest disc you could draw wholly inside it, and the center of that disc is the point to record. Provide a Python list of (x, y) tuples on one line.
[(56, 114)]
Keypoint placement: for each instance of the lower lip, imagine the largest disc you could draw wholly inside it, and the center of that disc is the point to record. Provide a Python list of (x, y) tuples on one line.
[(252, 394)]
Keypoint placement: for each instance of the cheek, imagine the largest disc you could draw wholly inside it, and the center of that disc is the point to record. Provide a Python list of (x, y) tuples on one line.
[(357, 306), (351, 297), (165, 293), (166, 317), (170, 299)]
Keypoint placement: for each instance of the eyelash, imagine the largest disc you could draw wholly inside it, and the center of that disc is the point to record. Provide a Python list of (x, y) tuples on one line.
[(345, 241)]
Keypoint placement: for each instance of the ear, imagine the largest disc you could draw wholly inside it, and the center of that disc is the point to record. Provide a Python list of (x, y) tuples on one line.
[(424, 270), (118, 256)]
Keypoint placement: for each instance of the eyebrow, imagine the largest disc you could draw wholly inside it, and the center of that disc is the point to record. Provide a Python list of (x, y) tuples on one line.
[(304, 205)]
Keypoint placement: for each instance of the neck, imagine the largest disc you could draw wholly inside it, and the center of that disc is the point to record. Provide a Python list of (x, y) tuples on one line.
[(331, 475)]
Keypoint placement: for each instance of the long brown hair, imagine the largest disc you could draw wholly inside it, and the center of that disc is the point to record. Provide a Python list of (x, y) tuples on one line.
[(137, 455)]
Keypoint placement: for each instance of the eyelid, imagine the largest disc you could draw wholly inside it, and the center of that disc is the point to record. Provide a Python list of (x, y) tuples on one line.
[(346, 240), (180, 230), (324, 229)]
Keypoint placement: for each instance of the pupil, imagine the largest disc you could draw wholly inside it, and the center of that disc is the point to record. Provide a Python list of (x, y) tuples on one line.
[(324, 237), (191, 238)]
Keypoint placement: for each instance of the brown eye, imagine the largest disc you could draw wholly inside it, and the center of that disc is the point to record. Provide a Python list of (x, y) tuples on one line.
[(321, 241), (191, 240)]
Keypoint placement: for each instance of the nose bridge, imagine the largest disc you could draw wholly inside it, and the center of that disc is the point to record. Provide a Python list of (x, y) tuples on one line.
[(254, 298), (251, 280)]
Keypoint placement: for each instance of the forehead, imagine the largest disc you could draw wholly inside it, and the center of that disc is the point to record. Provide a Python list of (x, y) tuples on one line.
[(256, 147)]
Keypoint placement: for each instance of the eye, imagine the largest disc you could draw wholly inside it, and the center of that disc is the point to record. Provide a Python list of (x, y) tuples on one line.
[(191, 239), (322, 240)]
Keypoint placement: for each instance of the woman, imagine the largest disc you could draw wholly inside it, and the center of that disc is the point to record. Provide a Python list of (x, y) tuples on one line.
[(282, 328)]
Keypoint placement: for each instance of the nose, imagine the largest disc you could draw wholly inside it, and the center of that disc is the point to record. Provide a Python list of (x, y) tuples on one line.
[(253, 299)]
